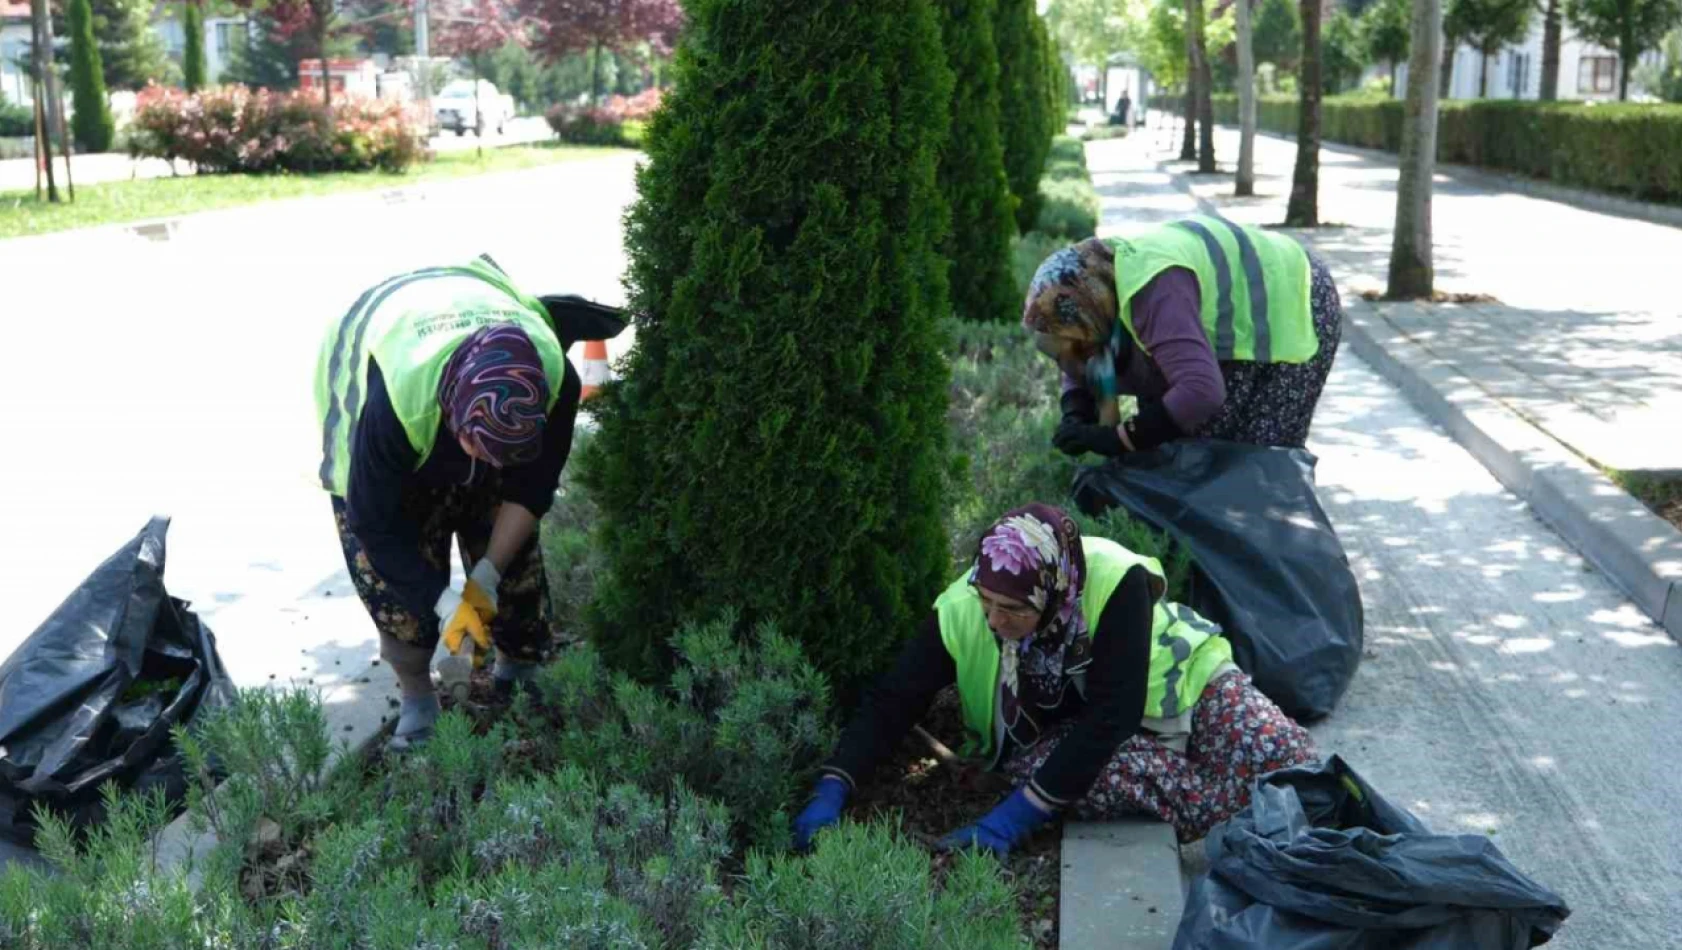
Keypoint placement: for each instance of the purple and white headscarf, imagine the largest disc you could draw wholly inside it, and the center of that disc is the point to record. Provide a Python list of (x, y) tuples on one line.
[(494, 394), (1034, 554)]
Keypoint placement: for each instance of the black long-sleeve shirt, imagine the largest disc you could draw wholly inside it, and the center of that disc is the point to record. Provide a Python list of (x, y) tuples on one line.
[(1110, 713), (382, 463)]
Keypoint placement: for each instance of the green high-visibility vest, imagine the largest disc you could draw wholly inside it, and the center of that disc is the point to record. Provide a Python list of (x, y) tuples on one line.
[(1254, 285), (412, 324), (1186, 650)]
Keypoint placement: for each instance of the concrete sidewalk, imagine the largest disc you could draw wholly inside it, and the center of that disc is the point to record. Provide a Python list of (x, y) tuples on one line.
[(1586, 341), (1508, 688)]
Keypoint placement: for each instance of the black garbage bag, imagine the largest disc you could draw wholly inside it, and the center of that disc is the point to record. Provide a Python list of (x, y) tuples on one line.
[(1320, 861), (93, 692), (1267, 565)]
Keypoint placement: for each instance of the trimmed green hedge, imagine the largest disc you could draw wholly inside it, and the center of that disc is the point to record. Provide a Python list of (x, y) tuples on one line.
[(1618, 148)]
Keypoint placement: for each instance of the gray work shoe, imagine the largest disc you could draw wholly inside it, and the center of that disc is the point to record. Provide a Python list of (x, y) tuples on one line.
[(415, 720)]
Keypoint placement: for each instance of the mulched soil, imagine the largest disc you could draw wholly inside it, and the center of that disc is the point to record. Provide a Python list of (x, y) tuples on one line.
[(1440, 296), (930, 799)]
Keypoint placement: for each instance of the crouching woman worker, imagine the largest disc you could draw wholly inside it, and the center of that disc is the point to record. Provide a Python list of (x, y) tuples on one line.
[(1094, 693), (447, 407), (1220, 331)]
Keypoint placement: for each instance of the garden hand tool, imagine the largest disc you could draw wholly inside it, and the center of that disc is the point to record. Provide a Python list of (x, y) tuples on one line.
[(466, 638)]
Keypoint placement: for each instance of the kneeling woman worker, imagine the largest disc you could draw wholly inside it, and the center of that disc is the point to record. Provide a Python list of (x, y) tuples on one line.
[(1074, 674), (447, 406)]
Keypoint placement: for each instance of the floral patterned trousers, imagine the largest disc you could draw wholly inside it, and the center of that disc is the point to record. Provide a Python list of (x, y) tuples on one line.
[(1237, 735), (522, 628)]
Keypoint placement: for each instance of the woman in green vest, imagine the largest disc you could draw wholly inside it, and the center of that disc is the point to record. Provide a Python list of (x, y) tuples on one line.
[(447, 404), (1219, 332), (1076, 676)]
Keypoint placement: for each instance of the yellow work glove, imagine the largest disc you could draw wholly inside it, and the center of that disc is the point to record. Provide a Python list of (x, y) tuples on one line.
[(481, 589), (458, 620)]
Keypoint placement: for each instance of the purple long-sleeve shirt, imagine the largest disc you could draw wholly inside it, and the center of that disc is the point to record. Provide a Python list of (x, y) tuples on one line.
[(1181, 368)]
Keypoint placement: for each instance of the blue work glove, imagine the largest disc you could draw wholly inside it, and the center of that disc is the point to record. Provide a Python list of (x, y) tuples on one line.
[(1004, 827), (824, 810)]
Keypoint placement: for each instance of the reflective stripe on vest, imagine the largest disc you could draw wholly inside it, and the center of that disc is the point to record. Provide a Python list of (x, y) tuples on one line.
[(1185, 648), (413, 339), (1255, 286)]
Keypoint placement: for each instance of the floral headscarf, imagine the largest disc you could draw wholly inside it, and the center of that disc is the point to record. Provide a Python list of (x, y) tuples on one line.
[(1034, 554), (1073, 297), (495, 395)]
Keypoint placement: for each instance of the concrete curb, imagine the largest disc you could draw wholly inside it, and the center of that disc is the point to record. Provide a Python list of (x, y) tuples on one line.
[(356, 714), (1121, 886), (1639, 551)]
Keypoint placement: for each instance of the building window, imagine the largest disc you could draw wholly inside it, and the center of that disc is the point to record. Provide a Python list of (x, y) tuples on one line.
[(1597, 74), (1518, 74)]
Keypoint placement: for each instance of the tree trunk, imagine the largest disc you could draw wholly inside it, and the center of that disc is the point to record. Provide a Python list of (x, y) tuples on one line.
[(1205, 101), (1483, 75), (1445, 82), (1550, 51), (1246, 184), (326, 74), (596, 76), (1393, 79), (1627, 54), (41, 51), (1188, 144), (478, 112), (1304, 209), (1411, 272)]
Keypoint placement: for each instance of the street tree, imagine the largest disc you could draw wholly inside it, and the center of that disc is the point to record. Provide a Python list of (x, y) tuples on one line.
[(1303, 211), (1278, 37), (1246, 179), (1094, 30), (1344, 52), (1488, 26), (1412, 274), (314, 23), (192, 56), (1202, 83), (131, 52), (1553, 13), (564, 27), (475, 30), (1387, 27), (1631, 27), (92, 125)]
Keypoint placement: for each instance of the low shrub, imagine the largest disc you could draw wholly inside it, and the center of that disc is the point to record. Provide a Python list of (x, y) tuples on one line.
[(1069, 205), (234, 129), (586, 125), (1027, 253), (865, 886), (16, 121)]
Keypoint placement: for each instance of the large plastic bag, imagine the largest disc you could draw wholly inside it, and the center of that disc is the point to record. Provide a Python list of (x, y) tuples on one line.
[(1267, 565), (93, 692), (1320, 861)]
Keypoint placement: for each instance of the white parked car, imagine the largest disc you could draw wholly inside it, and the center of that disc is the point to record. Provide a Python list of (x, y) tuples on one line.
[(454, 110)]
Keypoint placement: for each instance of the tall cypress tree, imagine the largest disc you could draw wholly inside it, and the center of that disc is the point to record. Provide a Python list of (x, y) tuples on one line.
[(1024, 120), (777, 441), (192, 57), (92, 125), (972, 168)]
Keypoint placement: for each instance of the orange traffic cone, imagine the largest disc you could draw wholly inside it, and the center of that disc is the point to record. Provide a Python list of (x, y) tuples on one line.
[(595, 367)]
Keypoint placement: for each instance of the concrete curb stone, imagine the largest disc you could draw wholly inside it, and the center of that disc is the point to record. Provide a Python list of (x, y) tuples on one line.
[(1121, 887)]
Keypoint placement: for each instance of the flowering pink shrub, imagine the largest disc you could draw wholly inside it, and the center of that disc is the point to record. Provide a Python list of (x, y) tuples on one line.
[(234, 129), (639, 106)]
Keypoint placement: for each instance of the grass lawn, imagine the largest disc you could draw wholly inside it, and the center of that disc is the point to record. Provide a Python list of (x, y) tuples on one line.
[(115, 202)]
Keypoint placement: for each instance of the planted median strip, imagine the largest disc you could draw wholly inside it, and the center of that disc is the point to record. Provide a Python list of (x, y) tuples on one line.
[(125, 201)]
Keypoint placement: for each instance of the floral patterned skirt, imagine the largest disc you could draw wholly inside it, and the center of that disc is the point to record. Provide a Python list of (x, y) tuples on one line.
[(1237, 735)]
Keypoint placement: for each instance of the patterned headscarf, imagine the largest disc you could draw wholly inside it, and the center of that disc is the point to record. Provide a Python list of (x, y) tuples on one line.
[(495, 395), (1073, 297), (1034, 554)]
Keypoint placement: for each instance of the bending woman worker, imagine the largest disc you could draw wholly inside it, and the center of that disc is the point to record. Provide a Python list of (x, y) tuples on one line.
[(1093, 692), (447, 406), (1220, 331)]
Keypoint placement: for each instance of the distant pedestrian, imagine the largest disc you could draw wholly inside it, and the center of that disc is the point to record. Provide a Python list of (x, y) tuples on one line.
[(1219, 331)]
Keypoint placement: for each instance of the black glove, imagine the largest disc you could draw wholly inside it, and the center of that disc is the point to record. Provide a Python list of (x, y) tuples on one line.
[(1079, 406), (1151, 427), (1073, 438)]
